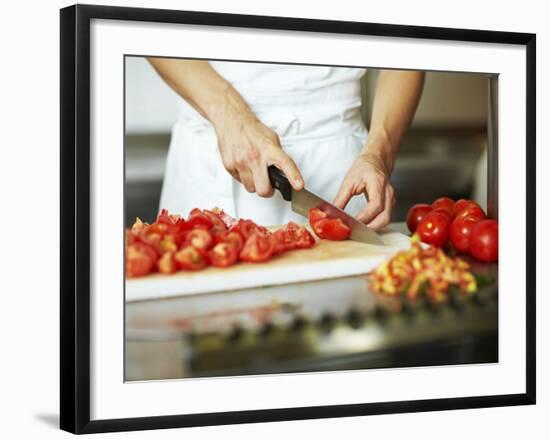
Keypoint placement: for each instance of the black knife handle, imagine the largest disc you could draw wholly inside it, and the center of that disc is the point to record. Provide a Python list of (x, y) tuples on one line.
[(279, 181)]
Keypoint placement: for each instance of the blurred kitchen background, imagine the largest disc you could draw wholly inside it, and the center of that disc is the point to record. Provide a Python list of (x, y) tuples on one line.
[(444, 153)]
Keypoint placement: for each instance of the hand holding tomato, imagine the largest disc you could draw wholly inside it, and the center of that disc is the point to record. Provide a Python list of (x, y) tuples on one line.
[(369, 176)]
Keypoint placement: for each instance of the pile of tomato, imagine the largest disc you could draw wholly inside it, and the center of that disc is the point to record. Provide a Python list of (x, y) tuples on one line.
[(463, 223), (419, 271), (205, 237)]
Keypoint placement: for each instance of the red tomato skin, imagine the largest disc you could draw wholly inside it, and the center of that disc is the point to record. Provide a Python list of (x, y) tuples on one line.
[(433, 229), (445, 212), (444, 203), (415, 215), (223, 255), (484, 241), (257, 248), (140, 260), (461, 232), (462, 204), (200, 239), (190, 258), (474, 212), (332, 229)]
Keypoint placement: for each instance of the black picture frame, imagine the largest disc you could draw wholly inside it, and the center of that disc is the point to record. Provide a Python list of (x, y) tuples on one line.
[(75, 217)]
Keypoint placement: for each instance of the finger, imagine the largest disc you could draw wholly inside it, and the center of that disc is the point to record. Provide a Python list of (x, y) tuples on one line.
[(384, 217), (344, 195), (261, 181), (247, 180), (289, 168), (376, 200)]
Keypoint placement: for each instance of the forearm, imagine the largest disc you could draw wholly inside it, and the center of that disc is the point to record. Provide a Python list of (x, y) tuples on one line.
[(202, 87), (395, 101)]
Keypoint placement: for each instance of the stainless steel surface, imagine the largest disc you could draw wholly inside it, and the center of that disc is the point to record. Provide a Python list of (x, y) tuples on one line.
[(304, 200), (492, 152), (333, 324)]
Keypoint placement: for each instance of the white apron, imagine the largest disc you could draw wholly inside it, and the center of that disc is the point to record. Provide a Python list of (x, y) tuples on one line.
[(314, 110)]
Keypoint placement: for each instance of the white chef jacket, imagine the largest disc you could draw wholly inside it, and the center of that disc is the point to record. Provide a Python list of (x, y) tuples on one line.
[(314, 110)]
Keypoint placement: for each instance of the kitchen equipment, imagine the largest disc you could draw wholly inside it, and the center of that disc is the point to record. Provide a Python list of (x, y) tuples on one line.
[(304, 200), (330, 324), (327, 259)]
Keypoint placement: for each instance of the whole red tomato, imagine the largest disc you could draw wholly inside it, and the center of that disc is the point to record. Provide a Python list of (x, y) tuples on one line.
[(474, 212), (484, 241), (415, 215), (444, 203), (462, 204), (434, 229), (461, 231)]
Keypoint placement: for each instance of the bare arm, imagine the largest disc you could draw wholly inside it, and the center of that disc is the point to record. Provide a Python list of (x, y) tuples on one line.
[(246, 145), (396, 98)]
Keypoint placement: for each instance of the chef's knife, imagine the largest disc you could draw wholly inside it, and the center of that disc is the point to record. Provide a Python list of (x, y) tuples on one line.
[(304, 200)]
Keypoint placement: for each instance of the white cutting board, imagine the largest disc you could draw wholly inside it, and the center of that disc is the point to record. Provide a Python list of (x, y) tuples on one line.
[(327, 259)]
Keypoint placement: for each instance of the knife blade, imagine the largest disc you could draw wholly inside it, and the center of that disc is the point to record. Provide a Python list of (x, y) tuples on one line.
[(302, 201)]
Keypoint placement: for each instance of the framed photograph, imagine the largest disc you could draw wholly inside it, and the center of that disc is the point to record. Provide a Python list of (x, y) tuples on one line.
[(275, 218)]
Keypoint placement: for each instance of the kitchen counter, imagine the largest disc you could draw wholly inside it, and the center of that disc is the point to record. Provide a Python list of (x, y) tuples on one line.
[(331, 324)]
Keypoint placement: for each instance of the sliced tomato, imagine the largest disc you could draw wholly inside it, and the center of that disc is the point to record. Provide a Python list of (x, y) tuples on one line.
[(233, 238), (140, 260), (279, 242), (218, 225), (223, 255), (257, 248), (226, 218), (190, 258), (167, 244), (247, 228), (316, 215), (299, 235), (199, 220), (199, 238), (166, 218), (166, 263), (332, 229)]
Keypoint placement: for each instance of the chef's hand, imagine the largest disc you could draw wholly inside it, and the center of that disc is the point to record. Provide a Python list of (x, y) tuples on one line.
[(248, 148), (369, 175)]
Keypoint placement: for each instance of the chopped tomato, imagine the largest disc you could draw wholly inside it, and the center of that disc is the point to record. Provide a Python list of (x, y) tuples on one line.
[(199, 238), (226, 218), (168, 244), (218, 225), (140, 260), (316, 215), (165, 218), (297, 236), (190, 258), (166, 263), (333, 229), (223, 255), (199, 220), (257, 248), (247, 228), (324, 227), (234, 239)]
